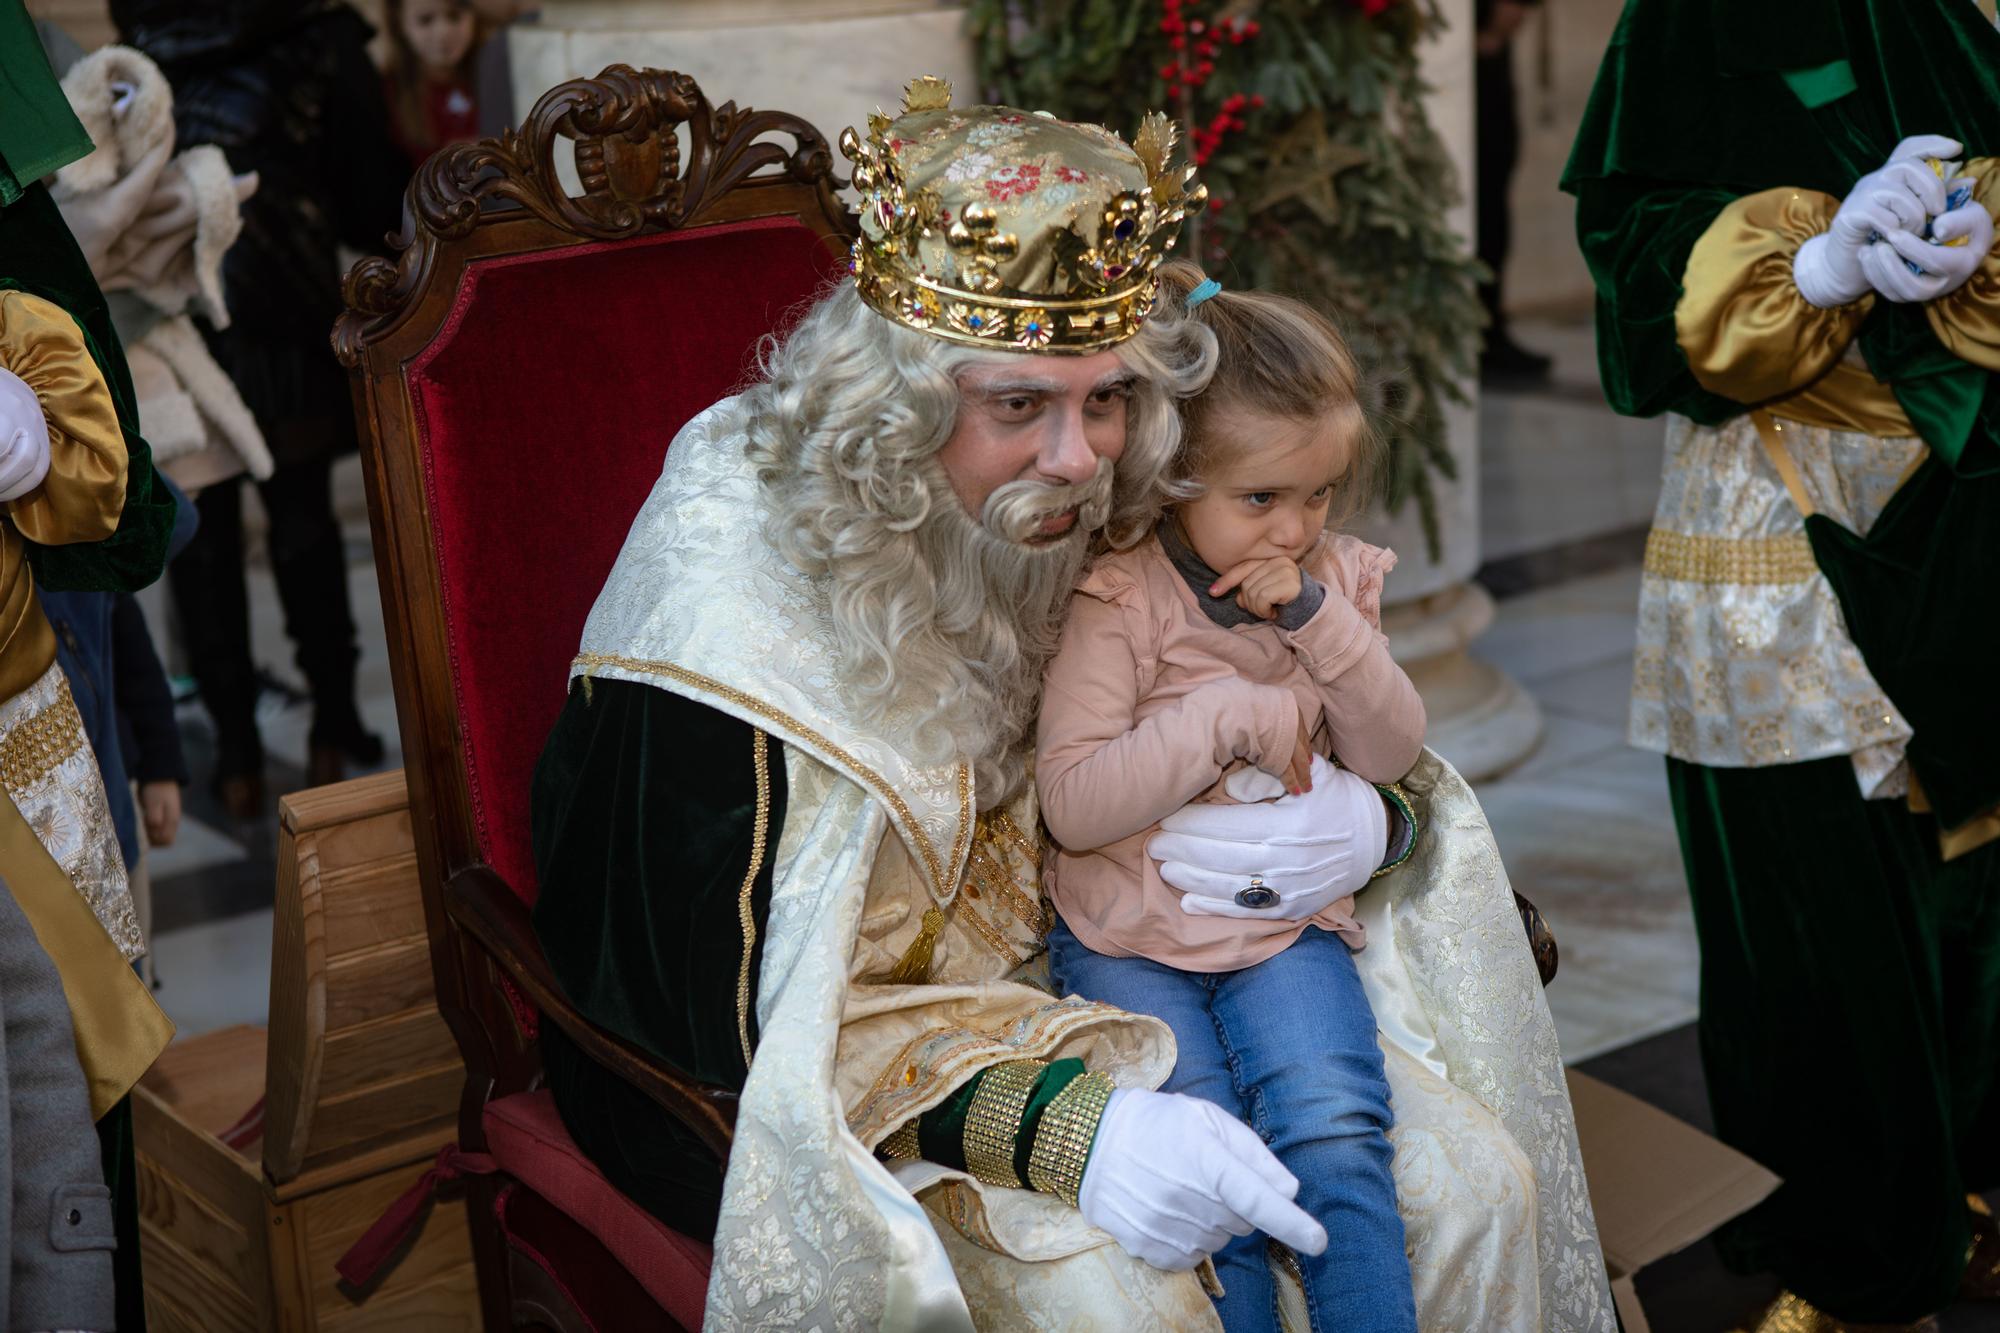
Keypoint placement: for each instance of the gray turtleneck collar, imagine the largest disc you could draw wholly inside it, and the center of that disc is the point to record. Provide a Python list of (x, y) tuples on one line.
[(1223, 610)]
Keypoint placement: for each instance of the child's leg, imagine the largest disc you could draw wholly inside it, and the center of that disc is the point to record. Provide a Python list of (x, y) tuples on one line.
[(1301, 1036), (1181, 1000)]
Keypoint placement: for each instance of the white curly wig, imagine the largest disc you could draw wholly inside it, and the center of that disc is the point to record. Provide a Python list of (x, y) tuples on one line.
[(943, 624)]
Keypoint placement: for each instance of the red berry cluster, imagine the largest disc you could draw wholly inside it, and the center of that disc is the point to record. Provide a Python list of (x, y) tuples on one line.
[(1207, 138), (1194, 42)]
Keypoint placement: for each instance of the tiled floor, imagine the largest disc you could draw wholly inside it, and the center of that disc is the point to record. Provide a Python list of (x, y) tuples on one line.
[(1585, 825)]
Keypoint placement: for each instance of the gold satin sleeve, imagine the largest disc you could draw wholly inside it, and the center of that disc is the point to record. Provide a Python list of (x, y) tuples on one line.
[(80, 499), (1967, 321), (1750, 336), (1747, 332)]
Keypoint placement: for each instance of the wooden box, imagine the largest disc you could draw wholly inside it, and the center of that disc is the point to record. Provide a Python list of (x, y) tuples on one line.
[(359, 1082)]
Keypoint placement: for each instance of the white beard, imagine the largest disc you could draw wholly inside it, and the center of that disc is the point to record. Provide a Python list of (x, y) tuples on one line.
[(999, 606)]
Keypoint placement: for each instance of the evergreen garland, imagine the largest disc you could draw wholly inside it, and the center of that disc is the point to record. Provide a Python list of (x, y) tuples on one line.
[(1325, 177)]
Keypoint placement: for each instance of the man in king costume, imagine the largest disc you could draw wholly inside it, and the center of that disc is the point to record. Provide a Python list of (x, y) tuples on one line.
[(788, 838), (1792, 262)]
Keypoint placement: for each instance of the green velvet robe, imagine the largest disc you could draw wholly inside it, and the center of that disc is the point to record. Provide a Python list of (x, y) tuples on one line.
[(1700, 102), (1850, 1021)]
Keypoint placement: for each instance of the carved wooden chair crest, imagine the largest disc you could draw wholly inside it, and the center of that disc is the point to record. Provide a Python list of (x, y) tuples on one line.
[(519, 368)]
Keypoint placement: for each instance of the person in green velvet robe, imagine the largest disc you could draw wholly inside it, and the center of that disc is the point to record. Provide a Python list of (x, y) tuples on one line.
[(1788, 209)]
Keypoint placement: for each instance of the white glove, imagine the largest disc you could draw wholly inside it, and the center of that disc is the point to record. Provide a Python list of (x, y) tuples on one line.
[(1310, 849), (1173, 1177), (1945, 267), (1900, 196), (24, 438)]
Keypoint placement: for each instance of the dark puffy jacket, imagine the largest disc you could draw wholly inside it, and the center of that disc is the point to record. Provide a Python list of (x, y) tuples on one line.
[(285, 88)]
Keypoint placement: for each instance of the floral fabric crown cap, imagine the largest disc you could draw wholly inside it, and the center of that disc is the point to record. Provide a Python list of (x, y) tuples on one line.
[(1012, 229)]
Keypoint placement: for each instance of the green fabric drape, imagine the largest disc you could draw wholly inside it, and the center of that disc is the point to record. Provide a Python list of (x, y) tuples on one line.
[(39, 133), (644, 813), (1922, 612), (39, 256), (1850, 1028)]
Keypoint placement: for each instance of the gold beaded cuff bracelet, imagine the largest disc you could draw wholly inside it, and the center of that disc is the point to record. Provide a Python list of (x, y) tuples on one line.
[(993, 1121), (1068, 1128), (903, 1145)]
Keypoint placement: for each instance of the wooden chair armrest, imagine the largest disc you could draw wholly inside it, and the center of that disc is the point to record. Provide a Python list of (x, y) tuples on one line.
[(489, 910), (1541, 940)]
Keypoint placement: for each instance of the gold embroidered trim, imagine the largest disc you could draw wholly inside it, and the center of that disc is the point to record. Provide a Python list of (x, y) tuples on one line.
[(37, 745), (943, 888), (992, 877), (1064, 1138), (760, 754), (1030, 849), (1687, 558), (988, 933), (993, 1121), (903, 1145)]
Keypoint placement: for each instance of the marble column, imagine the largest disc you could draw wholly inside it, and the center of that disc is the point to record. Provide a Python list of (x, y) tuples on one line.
[(829, 61), (1480, 719)]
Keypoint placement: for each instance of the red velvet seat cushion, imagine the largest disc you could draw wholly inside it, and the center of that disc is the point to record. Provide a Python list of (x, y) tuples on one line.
[(525, 1134), (544, 408)]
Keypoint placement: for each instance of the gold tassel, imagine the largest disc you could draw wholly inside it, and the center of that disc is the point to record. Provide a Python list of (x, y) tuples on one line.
[(915, 967)]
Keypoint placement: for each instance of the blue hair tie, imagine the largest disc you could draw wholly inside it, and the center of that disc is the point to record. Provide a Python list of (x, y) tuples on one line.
[(1209, 287)]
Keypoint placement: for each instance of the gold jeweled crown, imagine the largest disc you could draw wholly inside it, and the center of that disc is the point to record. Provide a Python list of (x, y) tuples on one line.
[(1011, 229)]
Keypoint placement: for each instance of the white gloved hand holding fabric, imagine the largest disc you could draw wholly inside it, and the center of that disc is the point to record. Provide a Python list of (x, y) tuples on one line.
[(1172, 1178), (1899, 197), (1946, 267), (24, 438), (1311, 850)]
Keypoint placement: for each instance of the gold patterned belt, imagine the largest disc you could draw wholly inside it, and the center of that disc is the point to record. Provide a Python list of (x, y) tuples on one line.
[(33, 748)]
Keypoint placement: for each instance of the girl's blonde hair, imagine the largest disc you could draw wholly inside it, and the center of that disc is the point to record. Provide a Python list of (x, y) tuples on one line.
[(1276, 357)]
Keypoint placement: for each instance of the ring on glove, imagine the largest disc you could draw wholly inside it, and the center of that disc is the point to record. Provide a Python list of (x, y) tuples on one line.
[(1258, 894)]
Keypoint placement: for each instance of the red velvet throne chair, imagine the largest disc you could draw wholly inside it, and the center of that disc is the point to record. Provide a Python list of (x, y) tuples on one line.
[(519, 369)]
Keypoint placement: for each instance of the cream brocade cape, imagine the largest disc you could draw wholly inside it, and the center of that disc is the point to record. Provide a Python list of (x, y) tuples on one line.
[(815, 1231)]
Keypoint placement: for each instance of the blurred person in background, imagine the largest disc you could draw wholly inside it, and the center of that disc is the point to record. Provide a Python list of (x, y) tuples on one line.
[(286, 89), (432, 74), (493, 81), (1498, 148)]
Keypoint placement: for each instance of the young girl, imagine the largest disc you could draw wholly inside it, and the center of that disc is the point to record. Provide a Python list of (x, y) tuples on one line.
[(429, 77), (1225, 657)]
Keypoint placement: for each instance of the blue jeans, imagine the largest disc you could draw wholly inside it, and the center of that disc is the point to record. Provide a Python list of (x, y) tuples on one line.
[(1288, 1045)]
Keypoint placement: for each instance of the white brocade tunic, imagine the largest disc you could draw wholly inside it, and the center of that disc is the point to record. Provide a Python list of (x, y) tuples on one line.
[(1743, 657)]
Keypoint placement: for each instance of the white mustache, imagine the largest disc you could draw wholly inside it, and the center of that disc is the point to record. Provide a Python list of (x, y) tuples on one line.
[(1016, 511)]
